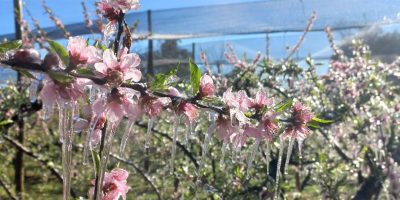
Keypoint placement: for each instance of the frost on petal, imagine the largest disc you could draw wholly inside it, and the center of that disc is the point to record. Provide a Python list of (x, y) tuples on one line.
[(49, 94), (99, 106), (101, 67), (207, 87), (174, 92), (94, 55), (95, 137), (130, 61), (120, 174), (110, 59), (133, 74), (115, 112)]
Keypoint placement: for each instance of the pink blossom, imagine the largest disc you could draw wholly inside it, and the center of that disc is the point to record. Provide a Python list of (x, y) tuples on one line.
[(238, 103), (225, 129), (261, 100), (269, 125), (114, 185), (54, 93), (116, 70), (153, 106), (111, 9), (298, 128), (188, 110), (115, 106), (80, 53), (239, 138), (207, 87)]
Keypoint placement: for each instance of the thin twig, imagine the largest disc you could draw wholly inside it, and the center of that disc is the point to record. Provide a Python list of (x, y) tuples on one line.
[(8, 190)]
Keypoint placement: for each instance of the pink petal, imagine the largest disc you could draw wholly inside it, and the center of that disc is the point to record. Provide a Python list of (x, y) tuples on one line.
[(114, 112), (101, 67), (130, 61), (120, 174), (133, 74), (110, 59), (99, 106), (49, 94)]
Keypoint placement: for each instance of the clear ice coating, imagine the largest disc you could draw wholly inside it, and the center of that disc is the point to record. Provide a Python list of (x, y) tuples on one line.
[(268, 155), (278, 167), (87, 147), (33, 90), (125, 137), (108, 136), (300, 146), (150, 125), (223, 152), (252, 156), (175, 135), (66, 126), (289, 153), (207, 140)]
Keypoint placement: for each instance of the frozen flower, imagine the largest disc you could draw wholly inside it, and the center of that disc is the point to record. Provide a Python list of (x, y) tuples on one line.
[(114, 106), (261, 100), (153, 106), (188, 110), (110, 7), (116, 70), (54, 93), (225, 129), (80, 53), (238, 104), (298, 127), (207, 87), (114, 185), (174, 92)]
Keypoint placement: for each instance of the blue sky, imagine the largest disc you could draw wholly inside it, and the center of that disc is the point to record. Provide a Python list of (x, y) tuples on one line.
[(70, 11)]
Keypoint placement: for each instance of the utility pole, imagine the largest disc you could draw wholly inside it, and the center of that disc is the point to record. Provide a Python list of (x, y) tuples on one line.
[(150, 67), (19, 156)]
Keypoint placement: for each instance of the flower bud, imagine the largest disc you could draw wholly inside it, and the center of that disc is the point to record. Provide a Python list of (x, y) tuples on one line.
[(207, 87), (26, 56), (51, 60)]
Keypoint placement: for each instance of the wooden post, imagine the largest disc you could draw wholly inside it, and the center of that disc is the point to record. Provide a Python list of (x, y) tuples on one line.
[(267, 44), (19, 156), (150, 67)]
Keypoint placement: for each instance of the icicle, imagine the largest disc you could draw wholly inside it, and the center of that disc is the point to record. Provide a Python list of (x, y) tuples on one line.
[(125, 137), (252, 155), (87, 146), (33, 89), (104, 156), (47, 112), (175, 135), (66, 113), (289, 153), (207, 139), (148, 134), (224, 147), (92, 94), (300, 146), (267, 154), (278, 167), (188, 133)]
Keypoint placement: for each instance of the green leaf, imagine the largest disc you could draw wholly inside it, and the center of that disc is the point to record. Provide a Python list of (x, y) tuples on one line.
[(195, 74), (5, 122), (7, 46), (26, 73), (284, 105), (314, 125), (322, 121), (60, 51), (96, 157), (163, 81), (84, 71), (61, 78)]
